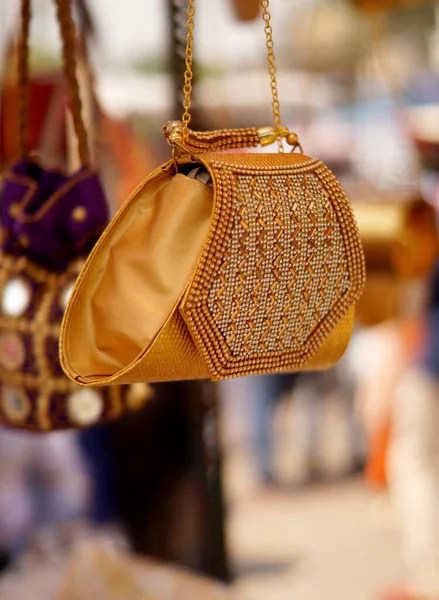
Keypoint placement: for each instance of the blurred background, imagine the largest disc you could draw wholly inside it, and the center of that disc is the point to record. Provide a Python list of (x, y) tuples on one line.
[(298, 486)]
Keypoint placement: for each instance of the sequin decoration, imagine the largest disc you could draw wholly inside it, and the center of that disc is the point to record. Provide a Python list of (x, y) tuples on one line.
[(15, 403), (85, 407), (29, 363), (79, 214), (16, 297), (138, 393), (66, 294), (12, 351)]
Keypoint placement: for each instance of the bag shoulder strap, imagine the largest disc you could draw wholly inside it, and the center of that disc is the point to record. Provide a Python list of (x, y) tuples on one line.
[(68, 37), (187, 87)]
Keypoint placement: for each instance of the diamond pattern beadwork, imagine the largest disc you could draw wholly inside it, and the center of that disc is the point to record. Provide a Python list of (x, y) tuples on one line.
[(276, 305)]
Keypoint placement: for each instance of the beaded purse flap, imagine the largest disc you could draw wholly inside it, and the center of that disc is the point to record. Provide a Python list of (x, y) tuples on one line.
[(281, 267)]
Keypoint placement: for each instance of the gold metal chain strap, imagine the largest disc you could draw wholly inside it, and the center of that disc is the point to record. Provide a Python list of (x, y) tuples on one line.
[(188, 75), (68, 39), (272, 70)]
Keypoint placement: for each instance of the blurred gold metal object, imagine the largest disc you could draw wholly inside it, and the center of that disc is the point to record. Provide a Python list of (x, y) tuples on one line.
[(246, 10), (292, 139), (380, 5), (24, 241), (319, 40), (79, 214), (173, 131), (398, 237), (400, 243), (267, 135)]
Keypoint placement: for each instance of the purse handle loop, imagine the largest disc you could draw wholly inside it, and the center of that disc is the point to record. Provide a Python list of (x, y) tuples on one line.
[(188, 75), (68, 38)]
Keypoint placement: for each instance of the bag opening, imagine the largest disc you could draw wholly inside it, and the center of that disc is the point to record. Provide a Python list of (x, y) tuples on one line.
[(138, 273)]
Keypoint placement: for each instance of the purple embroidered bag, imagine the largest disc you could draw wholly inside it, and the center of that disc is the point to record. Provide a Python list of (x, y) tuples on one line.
[(49, 222)]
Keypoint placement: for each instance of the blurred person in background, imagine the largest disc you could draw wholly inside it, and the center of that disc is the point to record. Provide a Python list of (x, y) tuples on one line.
[(264, 393), (311, 390), (44, 491), (413, 463)]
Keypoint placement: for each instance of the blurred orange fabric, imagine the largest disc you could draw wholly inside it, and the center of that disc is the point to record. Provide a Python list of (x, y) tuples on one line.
[(412, 335)]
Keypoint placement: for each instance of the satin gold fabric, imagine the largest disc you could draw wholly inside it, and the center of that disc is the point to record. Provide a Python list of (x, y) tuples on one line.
[(123, 323), (137, 279)]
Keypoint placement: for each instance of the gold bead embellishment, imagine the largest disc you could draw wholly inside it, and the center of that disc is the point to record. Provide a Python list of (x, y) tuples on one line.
[(79, 214), (292, 139), (267, 135), (138, 394), (85, 407), (23, 240), (14, 210)]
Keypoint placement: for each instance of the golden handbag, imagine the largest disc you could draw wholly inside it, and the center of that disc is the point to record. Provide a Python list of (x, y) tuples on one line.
[(400, 244), (49, 221), (219, 265)]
